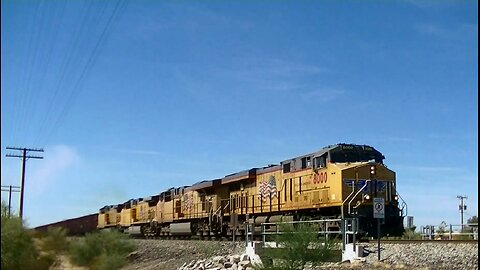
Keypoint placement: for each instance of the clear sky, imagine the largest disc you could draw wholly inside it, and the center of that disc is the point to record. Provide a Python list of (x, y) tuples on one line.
[(131, 98)]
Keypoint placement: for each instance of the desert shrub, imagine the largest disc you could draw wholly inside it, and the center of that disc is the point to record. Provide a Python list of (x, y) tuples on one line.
[(463, 237), (45, 261), (410, 234), (109, 262), (54, 240), (101, 250), (51, 243), (17, 245), (297, 246)]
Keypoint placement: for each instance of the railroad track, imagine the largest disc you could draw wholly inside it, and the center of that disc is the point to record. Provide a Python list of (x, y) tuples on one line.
[(382, 241), (418, 241)]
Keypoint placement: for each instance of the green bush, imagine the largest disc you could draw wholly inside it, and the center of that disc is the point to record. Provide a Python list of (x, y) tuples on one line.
[(24, 249), (101, 250), (55, 240), (17, 245), (109, 262), (410, 234), (297, 246), (45, 261)]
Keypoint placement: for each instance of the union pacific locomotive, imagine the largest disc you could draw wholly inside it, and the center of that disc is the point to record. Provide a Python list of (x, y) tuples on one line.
[(338, 181)]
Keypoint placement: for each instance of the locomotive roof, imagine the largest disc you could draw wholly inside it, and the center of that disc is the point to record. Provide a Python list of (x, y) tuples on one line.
[(151, 198), (269, 168), (167, 191), (107, 208), (204, 184), (329, 148), (243, 175)]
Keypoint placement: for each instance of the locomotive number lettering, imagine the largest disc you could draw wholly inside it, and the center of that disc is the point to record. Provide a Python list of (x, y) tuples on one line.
[(320, 178)]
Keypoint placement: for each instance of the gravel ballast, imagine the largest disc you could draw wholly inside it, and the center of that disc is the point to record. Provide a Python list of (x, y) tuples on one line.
[(173, 254)]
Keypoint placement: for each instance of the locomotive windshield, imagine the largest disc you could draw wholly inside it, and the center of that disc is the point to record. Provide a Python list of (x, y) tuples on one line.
[(355, 153)]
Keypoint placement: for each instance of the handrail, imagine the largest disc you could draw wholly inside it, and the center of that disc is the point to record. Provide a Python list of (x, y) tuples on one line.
[(347, 227), (356, 194), (403, 204), (353, 189), (302, 221), (220, 208), (344, 201)]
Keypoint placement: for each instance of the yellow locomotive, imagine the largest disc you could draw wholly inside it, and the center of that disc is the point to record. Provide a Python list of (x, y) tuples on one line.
[(339, 181)]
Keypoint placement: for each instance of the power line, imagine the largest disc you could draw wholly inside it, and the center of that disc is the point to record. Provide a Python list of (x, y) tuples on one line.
[(32, 86), (48, 40), (77, 87), (10, 190), (19, 102), (73, 69), (24, 158), (66, 66)]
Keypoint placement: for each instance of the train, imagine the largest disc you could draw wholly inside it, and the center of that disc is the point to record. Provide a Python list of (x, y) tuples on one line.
[(78, 226), (335, 182)]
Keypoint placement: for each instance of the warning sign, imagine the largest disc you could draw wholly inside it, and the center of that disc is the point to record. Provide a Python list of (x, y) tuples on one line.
[(378, 208)]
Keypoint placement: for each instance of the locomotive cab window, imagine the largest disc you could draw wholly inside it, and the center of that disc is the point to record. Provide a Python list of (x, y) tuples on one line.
[(320, 162), (306, 162), (286, 167)]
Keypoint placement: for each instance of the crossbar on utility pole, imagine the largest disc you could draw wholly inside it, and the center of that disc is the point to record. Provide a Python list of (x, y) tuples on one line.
[(462, 207), (10, 190), (24, 158)]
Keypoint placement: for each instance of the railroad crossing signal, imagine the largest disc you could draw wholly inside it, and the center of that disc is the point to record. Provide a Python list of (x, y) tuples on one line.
[(378, 208)]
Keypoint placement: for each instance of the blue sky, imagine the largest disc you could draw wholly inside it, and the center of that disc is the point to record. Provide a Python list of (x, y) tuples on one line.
[(131, 98)]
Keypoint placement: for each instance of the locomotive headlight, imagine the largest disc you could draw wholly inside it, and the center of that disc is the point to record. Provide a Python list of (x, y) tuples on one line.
[(366, 196), (395, 197)]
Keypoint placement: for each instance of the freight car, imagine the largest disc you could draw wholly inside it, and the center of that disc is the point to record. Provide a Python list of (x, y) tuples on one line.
[(338, 181), (75, 226)]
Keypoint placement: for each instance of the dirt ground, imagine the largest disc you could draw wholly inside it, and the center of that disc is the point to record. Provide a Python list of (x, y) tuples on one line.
[(171, 254), (165, 254), (63, 263)]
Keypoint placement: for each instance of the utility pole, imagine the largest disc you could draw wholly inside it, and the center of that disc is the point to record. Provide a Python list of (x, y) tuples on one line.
[(24, 158), (462, 207), (10, 190)]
